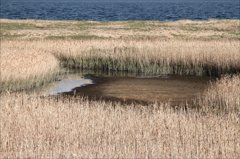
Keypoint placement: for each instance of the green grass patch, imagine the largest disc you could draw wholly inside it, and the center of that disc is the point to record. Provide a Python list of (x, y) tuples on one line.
[(7, 35), (75, 37), (17, 26)]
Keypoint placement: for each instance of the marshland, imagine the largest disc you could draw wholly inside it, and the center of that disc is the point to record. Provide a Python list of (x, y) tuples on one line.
[(150, 89)]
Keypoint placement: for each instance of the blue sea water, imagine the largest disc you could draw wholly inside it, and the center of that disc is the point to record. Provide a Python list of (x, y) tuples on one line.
[(103, 10)]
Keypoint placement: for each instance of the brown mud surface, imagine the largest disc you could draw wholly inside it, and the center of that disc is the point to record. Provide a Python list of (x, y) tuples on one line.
[(173, 89)]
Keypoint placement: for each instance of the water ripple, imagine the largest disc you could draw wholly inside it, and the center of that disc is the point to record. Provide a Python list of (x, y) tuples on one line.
[(117, 10)]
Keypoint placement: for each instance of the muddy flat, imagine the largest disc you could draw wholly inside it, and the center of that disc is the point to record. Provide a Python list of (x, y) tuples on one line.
[(173, 88)]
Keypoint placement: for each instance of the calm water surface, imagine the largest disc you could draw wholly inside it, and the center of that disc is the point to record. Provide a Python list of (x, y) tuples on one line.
[(103, 10), (163, 88)]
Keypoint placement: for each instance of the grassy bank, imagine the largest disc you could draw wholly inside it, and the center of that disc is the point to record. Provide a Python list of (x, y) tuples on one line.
[(35, 58), (165, 57)]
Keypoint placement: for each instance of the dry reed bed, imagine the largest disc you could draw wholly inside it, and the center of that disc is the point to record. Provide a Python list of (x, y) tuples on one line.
[(32, 127), (222, 96), (24, 66), (46, 127), (120, 55), (174, 57), (181, 47)]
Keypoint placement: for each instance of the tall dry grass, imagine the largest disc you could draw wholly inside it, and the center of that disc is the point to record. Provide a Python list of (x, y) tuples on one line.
[(24, 66), (181, 47), (43, 127), (72, 127), (22, 61), (174, 56), (222, 95), (35, 127)]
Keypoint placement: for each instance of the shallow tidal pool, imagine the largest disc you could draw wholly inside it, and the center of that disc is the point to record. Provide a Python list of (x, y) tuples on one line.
[(144, 89)]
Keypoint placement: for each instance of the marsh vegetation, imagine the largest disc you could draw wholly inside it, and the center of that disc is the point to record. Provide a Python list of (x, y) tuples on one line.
[(36, 53)]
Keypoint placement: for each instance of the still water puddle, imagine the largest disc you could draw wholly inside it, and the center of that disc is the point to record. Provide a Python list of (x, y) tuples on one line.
[(129, 88), (67, 85)]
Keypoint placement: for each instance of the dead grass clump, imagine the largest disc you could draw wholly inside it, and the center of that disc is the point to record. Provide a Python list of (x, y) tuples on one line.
[(223, 95), (23, 62), (23, 65)]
